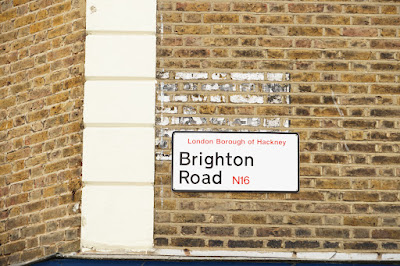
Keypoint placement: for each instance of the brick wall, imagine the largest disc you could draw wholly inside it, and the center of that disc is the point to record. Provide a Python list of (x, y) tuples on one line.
[(328, 70), (41, 95)]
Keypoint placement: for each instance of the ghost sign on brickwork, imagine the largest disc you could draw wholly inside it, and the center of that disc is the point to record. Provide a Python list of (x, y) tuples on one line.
[(237, 162)]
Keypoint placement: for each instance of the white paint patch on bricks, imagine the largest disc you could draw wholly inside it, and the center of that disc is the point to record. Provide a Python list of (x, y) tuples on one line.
[(180, 98), (190, 87), (219, 76), (160, 156), (247, 87), (188, 110), (275, 76), (286, 123), (254, 122), (199, 98), (167, 110), (163, 98), (228, 87), (217, 99), (218, 121), (163, 75), (186, 75), (188, 121), (165, 133), (246, 99), (274, 122), (274, 99), (168, 87), (174, 120), (276, 87), (163, 121), (247, 76), (210, 87)]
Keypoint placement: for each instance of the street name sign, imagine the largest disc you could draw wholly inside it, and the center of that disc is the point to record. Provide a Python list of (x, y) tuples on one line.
[(235, 161)]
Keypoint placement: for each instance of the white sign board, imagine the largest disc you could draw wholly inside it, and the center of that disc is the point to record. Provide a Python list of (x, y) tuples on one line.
[(230, 161)]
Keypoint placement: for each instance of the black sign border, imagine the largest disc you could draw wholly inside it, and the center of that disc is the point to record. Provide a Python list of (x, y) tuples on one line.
[(237, 191)]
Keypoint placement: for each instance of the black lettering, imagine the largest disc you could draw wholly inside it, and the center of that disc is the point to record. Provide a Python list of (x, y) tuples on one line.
[(248, 158), (228, 156), (198, 178), (186, 158), (206, 179), (217, 178), (241, 161), (209, 161), (184, 177), (219, 157)]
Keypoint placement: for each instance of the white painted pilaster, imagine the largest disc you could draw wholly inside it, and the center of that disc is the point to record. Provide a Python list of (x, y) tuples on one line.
[(118, 144)]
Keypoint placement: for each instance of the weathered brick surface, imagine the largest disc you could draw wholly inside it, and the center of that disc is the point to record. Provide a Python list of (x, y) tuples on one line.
[(41, 94), (327, 70)]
